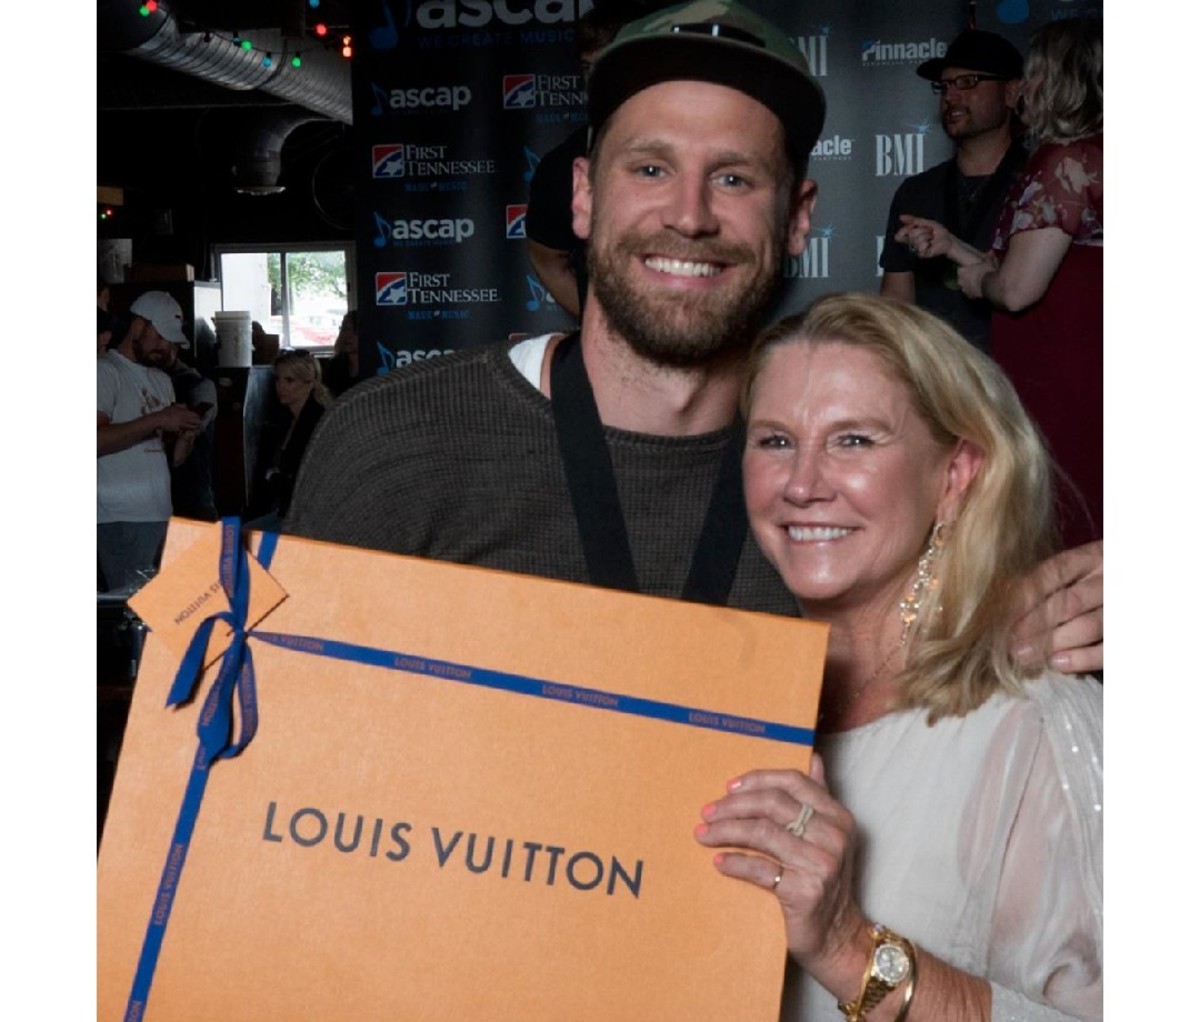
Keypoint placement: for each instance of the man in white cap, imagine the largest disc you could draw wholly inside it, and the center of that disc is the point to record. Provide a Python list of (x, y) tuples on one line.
[(135, 408), (612, 456)]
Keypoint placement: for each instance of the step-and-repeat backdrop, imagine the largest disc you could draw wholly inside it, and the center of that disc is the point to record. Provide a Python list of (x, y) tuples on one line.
[(456, 101)]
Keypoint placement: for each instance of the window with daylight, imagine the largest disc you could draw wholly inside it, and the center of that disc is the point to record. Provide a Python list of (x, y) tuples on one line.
[(298, 292)]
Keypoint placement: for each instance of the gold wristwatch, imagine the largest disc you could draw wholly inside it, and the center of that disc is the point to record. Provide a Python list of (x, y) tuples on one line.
[(890, 964)]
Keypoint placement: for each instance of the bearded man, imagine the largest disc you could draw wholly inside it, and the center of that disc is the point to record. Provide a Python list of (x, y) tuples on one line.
[(612, 456)]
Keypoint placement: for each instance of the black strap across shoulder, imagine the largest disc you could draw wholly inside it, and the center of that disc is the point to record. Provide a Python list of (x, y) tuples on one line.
[(597, 504)]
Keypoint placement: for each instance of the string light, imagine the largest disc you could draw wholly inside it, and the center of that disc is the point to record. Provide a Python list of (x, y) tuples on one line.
[(296, 60), (347, 49), (247, 44), (267, 61), (321, 29), (148, 8)]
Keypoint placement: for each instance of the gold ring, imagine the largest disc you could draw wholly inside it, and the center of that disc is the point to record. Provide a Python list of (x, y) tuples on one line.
[(797, 826)]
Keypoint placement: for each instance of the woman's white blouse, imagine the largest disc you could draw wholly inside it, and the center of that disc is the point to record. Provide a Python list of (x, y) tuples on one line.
[(980, 840)]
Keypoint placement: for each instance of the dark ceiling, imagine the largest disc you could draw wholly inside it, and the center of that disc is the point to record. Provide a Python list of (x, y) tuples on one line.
[(189, 122)]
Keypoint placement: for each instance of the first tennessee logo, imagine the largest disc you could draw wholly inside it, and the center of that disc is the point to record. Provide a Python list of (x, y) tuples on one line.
[(520, 92), (391, 288), (387, 161)]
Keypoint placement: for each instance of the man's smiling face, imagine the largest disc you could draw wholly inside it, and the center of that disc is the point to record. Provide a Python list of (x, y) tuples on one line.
[(688, 211)]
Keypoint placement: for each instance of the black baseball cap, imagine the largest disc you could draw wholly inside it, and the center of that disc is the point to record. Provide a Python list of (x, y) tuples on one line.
[(976, 50), (717, 41)]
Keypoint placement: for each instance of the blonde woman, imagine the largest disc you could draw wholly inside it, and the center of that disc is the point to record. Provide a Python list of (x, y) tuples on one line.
[(943, 858)]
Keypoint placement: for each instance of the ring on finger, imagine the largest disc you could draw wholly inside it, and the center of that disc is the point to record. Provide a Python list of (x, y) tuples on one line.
[(798, 825)]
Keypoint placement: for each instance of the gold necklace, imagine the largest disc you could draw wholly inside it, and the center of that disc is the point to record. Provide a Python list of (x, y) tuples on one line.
[(869, 682)]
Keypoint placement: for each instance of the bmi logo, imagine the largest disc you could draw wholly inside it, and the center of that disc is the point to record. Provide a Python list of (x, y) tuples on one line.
[(900, 155), (814, 49), (514, 220), (520, 92), (813, 262), (391, 288)]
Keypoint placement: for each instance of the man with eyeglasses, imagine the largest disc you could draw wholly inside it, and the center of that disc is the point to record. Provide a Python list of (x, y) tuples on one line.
[(979, 85)]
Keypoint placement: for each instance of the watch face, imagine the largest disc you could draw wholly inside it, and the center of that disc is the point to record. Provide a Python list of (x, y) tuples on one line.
[(891, 964)]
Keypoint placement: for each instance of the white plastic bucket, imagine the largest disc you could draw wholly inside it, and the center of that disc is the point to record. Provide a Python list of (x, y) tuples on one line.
[(234, 346)]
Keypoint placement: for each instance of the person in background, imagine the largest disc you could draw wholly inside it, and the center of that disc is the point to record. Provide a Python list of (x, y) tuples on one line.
[(979, 85), (695, 189), (302, 399), (191, 465), (944, 856), (104, 330), (557, 254), (1044, 274), (136, 410), (340, 372)]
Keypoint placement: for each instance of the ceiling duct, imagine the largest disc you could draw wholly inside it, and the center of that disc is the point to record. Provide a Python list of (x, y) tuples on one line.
[(258, 138), (321, 84)]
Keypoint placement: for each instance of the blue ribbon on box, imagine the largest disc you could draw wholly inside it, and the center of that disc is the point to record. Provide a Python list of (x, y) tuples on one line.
[(235, 678)]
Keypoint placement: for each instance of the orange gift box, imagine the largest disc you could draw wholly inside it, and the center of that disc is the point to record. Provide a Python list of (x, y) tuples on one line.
[(409, 790)]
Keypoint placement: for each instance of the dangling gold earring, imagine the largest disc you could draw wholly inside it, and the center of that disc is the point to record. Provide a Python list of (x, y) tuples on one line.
[(926, 582)]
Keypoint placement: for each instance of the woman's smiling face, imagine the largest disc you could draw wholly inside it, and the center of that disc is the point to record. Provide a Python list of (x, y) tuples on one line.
[(844, 479)]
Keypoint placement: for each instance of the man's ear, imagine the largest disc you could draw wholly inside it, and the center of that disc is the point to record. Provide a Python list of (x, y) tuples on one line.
[(581, 198), (803, 202), (961, 470)]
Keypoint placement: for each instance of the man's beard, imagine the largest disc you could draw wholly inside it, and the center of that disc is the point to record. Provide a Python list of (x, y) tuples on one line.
[(674, 327)]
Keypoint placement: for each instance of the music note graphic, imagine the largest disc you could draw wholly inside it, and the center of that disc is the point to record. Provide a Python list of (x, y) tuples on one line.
[(384, 228), (387, 360), (532, 159), (381, 99), (538, 294), (384, 37)]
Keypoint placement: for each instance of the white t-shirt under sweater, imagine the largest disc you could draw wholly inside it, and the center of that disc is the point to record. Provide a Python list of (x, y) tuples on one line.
[(133, 485), (980, 841)]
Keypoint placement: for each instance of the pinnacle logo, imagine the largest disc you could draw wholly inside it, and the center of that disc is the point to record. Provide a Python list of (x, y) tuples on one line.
[(900, 155), (482, 13), (877, 53), (833, 148), (814, 49), (813, 262)]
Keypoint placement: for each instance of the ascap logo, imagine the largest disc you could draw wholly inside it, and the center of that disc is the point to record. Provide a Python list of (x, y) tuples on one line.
[(423, 99), (481, 13), (877, 53), (900, 155), (389, 360), (814, 49), (835, 148), (417, 231), (813, 262)]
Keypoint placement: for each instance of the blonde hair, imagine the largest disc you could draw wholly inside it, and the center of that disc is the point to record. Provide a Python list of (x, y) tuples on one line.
[(306, 367), (958, 648), (1069, 102)]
